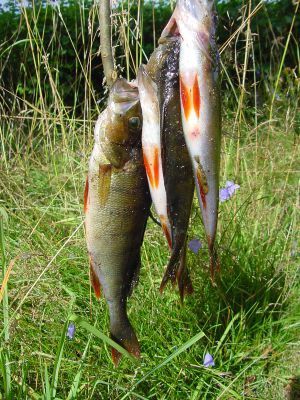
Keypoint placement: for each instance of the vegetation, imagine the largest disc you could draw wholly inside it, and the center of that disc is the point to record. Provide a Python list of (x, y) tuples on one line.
[(51, 91)]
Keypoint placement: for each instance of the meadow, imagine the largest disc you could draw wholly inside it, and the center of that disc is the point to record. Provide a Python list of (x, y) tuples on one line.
[(249, 321)]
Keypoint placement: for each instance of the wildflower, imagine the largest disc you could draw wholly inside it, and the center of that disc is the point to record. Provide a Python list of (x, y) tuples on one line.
[(195, 245), (228, 190), (71, 331), (208, 361)]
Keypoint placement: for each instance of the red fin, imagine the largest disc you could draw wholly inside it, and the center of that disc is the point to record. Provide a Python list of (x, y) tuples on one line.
[(152, 166), (185, 94), (166, 230), (95, 280), (156, 167), (148, 170), (131, 345), (196, 96), (86, 194), (202, 183), (116, 356)]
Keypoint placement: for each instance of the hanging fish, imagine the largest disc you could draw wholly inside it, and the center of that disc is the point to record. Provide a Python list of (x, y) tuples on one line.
[(194, 21), (152, 150), (117, 203), (176, 165)]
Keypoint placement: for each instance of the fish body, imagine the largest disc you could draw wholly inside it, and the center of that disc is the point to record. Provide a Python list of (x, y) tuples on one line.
[(117, 203), (200, 104), (176, 165), (152, 150)]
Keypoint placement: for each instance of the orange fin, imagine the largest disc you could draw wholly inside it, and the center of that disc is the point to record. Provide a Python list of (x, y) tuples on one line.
[(95, 280), (196, 96), (104, 182), (165, 229), (152, 166), (186, 98), (130, 344), (148, 171), (86, 194)]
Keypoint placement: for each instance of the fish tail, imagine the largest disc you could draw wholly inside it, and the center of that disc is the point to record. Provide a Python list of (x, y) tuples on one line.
[(126, 338), (171, 270), (177, 271), (184, 282)]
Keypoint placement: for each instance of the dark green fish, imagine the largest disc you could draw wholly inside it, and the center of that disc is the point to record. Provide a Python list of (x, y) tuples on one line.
[(163, 68), (117, 203)]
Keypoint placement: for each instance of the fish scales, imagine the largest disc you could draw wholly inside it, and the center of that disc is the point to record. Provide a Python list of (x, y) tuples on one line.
[(195, 22), (115, 222), (177, 170)]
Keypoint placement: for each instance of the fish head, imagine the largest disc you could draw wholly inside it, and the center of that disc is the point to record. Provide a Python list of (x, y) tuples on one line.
[(124, 125), (195, 19)]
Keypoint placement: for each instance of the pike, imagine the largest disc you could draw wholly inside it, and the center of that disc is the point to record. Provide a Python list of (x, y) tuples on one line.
[(194, 21), (116, 204), (162, 67)]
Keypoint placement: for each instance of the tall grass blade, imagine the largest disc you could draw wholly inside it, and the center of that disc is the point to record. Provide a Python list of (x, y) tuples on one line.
[(90, 328), (58, 360), (176, 353), (74, 388), (5, 361)]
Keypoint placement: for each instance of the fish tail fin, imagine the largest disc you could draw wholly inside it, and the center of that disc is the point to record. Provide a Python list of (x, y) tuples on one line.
[(126, 338), (184, 281), (177, 270), (170, 273)]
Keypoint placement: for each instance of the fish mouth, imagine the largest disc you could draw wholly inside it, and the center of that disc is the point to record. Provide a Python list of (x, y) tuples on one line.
[(124, 91)]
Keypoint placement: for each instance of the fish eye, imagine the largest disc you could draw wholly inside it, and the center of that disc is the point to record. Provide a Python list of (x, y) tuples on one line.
[(134, 122)]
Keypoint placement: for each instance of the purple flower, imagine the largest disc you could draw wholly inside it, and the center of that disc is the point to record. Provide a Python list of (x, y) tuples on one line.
[(208, 361), (195, 245), (71, 331), (228, 191)]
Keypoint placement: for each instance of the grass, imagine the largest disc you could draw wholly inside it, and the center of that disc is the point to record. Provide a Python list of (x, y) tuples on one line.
[(249, 322)]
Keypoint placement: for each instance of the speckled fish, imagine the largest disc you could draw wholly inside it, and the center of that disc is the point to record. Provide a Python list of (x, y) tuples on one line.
[(117, 202), (194, 21), (152, 151), (176, 165)]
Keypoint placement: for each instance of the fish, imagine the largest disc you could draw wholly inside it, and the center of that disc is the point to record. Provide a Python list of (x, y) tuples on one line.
[(117, 203), (176, 165), (151, 145), (194, 21)]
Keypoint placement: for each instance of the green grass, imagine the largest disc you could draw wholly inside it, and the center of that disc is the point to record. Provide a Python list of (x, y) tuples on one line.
[(249, 322)]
